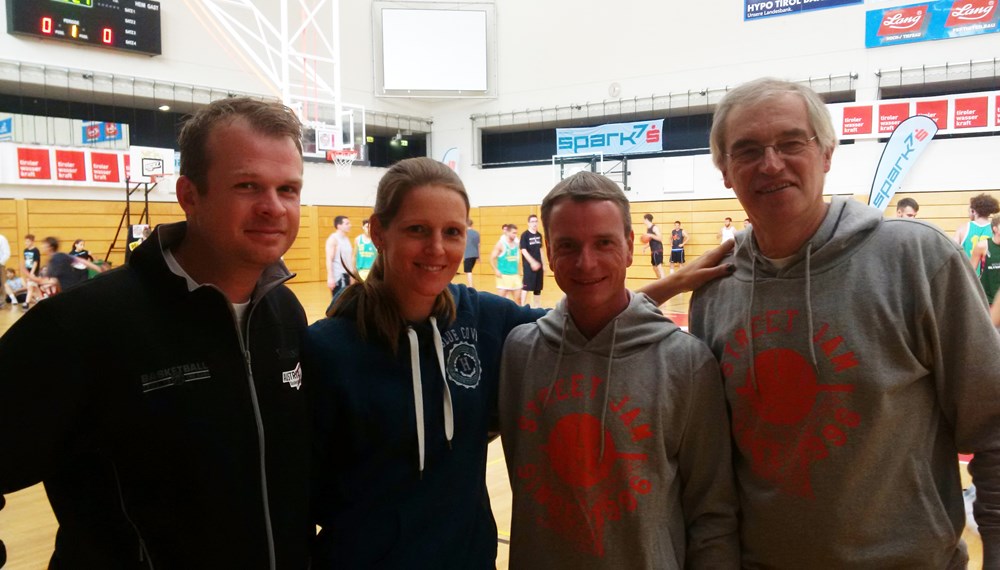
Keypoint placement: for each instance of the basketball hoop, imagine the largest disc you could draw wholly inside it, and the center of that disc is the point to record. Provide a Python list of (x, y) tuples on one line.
[(342, 159)]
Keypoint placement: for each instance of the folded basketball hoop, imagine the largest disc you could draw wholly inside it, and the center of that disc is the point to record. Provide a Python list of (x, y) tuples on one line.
[(342, 159)]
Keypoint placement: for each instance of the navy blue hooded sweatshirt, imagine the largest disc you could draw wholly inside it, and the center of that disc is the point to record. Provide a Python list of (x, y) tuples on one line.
[(377, 505)]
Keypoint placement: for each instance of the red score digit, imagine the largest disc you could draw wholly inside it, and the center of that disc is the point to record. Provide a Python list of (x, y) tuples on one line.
[(106, 36), (46, 25)]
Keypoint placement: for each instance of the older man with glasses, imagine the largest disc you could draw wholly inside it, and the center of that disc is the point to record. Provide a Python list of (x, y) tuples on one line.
[(857, 356)]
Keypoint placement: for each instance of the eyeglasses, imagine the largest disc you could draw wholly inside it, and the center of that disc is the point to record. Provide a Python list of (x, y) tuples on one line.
[(751, 154)]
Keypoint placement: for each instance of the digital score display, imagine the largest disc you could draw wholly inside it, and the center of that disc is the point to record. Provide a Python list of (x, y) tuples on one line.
[(130, 25)]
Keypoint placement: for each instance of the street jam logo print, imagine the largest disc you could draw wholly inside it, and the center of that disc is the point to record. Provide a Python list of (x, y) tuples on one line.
[(579, 489), (788, 420), (461, 357)]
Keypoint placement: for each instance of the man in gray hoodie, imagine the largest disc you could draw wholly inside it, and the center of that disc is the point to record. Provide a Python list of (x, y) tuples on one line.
[(613, 419), (857, 356)]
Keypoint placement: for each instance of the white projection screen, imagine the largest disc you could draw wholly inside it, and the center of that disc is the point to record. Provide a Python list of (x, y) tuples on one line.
[(434, 51)]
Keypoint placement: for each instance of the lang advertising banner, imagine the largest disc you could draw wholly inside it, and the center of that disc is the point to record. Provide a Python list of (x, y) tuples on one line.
[(617, 138), (95, 132), (936, 20), (755, 9)]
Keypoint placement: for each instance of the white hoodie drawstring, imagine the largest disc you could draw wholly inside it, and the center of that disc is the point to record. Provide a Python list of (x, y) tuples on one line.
[(418, 394), (449, 414)]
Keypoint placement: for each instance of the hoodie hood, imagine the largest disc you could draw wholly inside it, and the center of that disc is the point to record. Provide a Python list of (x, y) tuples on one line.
[(847, 225), (639, 325)]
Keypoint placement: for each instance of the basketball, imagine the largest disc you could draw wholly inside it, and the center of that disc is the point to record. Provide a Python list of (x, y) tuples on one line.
[(645, 238)]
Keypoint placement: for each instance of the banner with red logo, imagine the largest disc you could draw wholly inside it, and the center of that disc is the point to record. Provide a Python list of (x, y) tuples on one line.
[(95, 132), (70, 165), (965, 113), (618, 138), (909, 139), (33, 164), (104, 167), (936, 20)]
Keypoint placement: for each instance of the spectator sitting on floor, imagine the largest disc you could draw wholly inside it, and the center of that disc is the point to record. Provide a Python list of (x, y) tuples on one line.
[(14, 288)]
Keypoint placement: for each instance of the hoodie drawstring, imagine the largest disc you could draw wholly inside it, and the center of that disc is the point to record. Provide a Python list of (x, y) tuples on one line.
[(749, 328), (809, 313), (607, 381), (607, 388), (555, 371), (809, 309), (418, 394), (449, 413)]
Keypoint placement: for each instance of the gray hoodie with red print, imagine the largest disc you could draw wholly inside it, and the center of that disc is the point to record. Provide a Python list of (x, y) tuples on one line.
[(874, 364), (617, 446)]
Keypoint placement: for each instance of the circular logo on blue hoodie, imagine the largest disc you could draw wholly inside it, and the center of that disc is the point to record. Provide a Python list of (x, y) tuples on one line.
[(463, 365)]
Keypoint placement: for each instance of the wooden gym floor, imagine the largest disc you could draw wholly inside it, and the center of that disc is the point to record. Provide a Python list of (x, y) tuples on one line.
[(27, 524)]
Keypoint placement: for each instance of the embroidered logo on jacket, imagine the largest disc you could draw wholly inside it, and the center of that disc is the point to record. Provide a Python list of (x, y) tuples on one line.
[(174, 376), (461, 357), (293, 377), (580, 488), (790, 418)]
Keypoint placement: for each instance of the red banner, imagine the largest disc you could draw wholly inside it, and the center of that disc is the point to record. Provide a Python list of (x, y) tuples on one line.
[(905, 20), (70, 165), (104, 167), (937, 110), (965, 12), (970, 112), (33, 164), (890, 115), (857, 120)]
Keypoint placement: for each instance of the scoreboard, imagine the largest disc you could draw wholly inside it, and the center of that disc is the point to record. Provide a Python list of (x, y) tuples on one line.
[(129, 25)]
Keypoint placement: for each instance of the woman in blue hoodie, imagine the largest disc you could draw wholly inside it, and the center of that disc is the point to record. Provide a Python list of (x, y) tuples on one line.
[(403, 381)]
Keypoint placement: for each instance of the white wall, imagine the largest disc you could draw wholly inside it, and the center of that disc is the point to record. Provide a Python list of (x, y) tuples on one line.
[(557, 53), (193, 54)]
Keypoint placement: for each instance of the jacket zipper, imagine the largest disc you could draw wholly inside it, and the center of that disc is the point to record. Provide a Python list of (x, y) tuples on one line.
[(244, 347), (143, 553)]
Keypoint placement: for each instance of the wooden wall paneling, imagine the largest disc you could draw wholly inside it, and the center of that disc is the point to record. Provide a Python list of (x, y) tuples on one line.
[(22, 220), (96, 222), (947, 210), (8, 223)]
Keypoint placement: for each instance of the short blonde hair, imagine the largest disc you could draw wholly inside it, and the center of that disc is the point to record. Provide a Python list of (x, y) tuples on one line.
[(582, 187)]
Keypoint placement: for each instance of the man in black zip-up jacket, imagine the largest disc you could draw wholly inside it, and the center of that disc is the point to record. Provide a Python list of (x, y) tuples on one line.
[(181, 441)]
